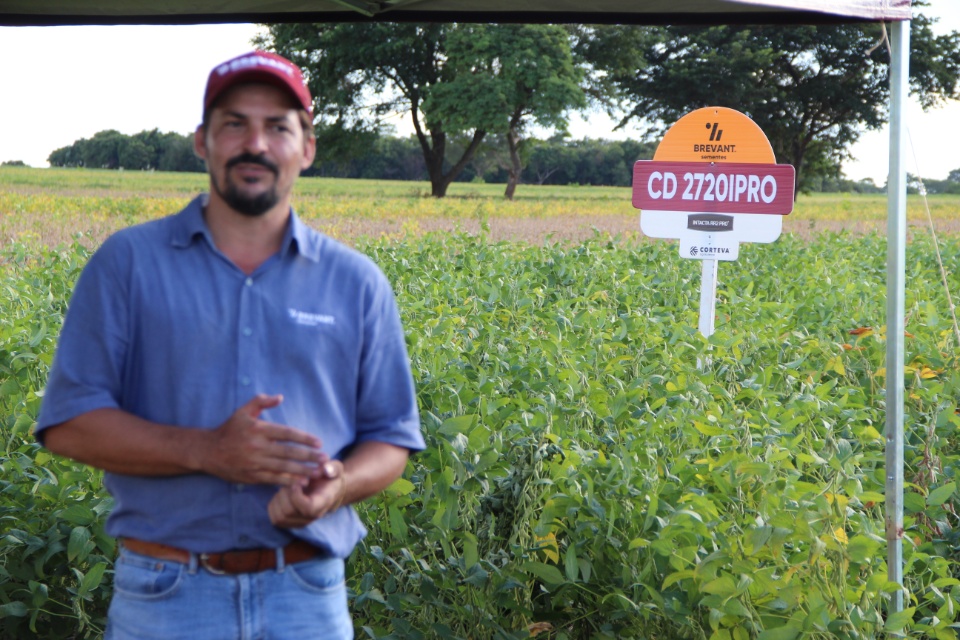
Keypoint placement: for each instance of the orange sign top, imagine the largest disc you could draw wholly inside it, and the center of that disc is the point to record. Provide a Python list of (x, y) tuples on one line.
[(715, 134)]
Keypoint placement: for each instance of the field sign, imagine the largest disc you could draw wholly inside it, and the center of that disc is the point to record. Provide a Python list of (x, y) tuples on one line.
[(713, 183)]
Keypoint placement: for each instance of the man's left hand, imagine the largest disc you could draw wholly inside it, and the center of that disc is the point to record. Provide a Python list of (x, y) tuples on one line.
[(368, 470), (298, 505)]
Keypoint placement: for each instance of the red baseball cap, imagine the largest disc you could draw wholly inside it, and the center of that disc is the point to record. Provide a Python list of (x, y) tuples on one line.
[(258, 66)]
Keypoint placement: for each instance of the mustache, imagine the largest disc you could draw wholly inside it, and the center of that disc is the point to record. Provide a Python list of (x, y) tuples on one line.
[(249, 158)]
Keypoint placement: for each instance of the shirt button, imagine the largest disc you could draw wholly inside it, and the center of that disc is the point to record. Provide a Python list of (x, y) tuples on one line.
[(238, 488), (244, 538), (247, 331), (249, 282), (245, 381)]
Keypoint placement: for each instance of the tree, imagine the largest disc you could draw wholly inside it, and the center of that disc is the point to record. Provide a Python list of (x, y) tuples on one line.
[(360, 73), (811, 89), (450, 79), (506, 77), (102, 151), (135, 155), (145, 150)]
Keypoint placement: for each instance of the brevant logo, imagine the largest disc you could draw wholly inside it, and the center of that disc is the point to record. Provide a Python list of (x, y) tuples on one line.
[(310, 319), (715, 134)]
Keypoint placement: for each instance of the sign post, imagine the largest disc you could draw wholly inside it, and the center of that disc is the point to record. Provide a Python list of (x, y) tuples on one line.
[(712, 184)]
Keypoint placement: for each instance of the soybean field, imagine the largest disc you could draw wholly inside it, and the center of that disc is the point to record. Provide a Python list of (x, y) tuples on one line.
[(584, 477)]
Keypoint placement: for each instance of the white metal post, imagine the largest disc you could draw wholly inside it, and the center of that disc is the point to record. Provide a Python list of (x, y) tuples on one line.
[(896, 262), (708, 297)]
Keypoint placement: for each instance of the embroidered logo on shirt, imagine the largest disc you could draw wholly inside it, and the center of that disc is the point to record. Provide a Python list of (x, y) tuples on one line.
[(310, 319)]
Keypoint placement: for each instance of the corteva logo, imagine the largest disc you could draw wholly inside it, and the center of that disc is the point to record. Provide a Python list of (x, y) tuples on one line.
[(708, 251), (716, 134)]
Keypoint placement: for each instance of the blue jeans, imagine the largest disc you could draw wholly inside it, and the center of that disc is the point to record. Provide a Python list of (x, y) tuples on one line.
[(162, 600)]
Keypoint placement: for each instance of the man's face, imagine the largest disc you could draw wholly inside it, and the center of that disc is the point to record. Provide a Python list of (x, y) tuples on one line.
[(255, 147)]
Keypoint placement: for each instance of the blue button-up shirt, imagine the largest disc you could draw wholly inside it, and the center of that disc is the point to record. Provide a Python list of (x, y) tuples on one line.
[(164, 326)]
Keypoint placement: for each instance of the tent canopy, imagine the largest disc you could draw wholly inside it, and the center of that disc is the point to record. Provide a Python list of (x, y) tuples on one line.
[(63, 12)]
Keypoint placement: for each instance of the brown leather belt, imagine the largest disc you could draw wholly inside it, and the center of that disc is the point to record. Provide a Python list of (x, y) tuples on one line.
[(228, 562)]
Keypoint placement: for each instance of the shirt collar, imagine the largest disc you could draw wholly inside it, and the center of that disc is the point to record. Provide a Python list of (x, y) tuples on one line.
[(189, 224)]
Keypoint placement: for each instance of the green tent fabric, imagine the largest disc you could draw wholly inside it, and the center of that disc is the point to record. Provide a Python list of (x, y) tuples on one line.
[(62, 12)]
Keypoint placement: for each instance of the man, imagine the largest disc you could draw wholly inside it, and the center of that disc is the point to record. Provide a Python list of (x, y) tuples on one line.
[(242, 380)]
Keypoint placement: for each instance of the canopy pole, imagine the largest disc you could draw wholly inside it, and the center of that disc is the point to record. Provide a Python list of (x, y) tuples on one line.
[(896, 264)]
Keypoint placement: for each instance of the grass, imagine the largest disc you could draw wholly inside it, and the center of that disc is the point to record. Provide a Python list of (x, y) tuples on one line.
[(50, 206)]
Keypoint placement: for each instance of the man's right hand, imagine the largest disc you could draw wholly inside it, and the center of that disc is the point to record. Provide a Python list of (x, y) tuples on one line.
[(249, 450), (243, 449)]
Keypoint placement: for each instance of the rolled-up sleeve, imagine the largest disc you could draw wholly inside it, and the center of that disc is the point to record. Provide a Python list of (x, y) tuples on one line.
[(88, 366), (386, 398)]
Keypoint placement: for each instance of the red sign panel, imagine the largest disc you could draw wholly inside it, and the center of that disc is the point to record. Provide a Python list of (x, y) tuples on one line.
[(706, 187)]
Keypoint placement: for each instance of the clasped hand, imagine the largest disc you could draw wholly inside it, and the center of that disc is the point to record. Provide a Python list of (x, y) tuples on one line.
[(246, 449), (298, 505)]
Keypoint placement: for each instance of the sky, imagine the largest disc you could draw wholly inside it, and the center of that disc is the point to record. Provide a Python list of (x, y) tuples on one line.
[(60, 84)]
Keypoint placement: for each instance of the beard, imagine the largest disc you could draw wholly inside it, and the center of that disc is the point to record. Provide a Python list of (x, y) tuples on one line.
[(240, 202)]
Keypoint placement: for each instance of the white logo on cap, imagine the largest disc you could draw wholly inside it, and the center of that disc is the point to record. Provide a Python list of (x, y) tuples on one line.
[(253, 61)]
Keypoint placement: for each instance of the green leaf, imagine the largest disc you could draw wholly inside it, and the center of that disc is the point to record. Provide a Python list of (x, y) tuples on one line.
[(471, 554), (913, 502), (706, 429), (14, 609), (941, 494), (78, 514), (897, 621), (22, 425), (722, 586), (548, 573), (786, 632), (734, 607), (862, 549), (93, 578), (477, 576), (457, 425), (398, 526), (759, 537), (400, 487), (77, 545), (571, 567), (9, 388), (637, 543), (753, 468), (677, 576)]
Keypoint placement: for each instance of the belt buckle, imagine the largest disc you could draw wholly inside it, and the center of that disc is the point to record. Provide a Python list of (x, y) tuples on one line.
[(205, 563)]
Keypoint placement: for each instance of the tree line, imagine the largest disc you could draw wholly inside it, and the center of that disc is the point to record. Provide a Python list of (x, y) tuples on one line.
[(474, 93), (146, 150), (554, 161), (811, 88), (557, 160)]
